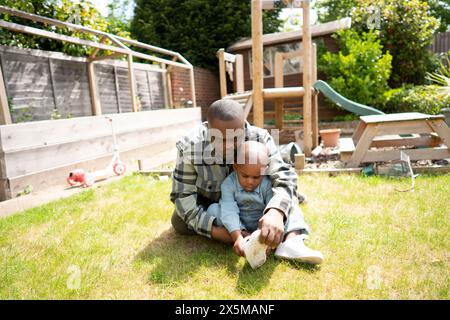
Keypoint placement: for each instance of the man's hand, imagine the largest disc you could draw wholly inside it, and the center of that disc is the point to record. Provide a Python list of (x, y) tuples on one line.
[(272, 228)]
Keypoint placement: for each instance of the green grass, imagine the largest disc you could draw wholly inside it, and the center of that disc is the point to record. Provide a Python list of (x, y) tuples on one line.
[(116, 242)]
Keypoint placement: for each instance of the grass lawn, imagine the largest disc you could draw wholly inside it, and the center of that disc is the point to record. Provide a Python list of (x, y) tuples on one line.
[(116, 242)]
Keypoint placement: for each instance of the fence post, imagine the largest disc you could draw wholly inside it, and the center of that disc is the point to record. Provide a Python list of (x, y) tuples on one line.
[(95, 101), (5, 116)]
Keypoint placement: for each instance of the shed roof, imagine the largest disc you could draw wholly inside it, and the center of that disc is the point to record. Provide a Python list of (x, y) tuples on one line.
[(283, 37)]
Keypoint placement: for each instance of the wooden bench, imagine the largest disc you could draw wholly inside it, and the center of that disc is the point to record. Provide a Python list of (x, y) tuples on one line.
[(378, 137)]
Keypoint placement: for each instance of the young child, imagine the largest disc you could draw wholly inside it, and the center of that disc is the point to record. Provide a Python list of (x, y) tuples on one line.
[(244, 196)]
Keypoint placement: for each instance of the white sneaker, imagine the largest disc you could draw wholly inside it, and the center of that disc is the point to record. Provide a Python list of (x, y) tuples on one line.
[(255, 251), (295, 249)]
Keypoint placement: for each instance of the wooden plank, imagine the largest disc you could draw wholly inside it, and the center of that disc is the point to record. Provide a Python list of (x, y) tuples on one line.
[(239, 66), (169, 87), (414, 154), (24, 136), (346, 145), (404, 127), (307, 78), (363, 144), (441, 128), (398, 141), (132, 84), (331, 171), (192, 84), (257, 64), (287, 92), (222, 73), (5, 116), (359, 131), (165, 88), (95, 101), (279, 83), (239, 96), (314, 101), (97, 143), (56, 36), (397, 117)]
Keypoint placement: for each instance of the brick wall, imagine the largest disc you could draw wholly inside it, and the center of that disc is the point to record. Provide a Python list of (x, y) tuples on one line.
[(206, 87)]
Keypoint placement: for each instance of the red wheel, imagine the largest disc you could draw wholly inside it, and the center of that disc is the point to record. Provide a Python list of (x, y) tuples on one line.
[(119, 168)]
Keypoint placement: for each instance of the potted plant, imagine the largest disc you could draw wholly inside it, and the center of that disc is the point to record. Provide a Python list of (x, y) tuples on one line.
[(330, 137)]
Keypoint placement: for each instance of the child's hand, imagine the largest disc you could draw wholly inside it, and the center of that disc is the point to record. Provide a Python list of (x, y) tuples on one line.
[(238, 246)]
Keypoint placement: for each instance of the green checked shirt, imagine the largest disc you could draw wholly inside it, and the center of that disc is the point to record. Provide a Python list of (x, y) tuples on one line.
[(193, 177)]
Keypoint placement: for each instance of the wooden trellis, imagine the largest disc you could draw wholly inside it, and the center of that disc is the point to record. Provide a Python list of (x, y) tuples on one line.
[(120, 47)]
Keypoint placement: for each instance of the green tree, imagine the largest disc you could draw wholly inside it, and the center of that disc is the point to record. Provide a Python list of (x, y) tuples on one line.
[(405, 28), (196, 28), (360, 70), (329, 10), (82, 13), (441, 10)]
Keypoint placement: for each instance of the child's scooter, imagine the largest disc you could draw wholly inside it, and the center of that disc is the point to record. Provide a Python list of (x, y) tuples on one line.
[(86, 179)]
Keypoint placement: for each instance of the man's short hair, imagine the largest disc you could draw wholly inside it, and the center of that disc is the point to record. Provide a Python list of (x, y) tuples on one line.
[(225, 110)]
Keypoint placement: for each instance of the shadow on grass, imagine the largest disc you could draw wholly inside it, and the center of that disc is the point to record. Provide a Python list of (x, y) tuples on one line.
[(174, 259)]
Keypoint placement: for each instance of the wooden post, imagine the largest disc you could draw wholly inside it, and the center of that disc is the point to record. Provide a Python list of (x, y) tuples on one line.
[(239, 66), (257, 64), (169, 86), (222, 73), (306, 39), (279, 83), (315, 102), (95, 101), (192, 81), (132, 83), (5, 116)]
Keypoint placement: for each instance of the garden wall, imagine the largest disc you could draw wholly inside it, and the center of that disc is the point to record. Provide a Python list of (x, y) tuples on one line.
[(41, 154)]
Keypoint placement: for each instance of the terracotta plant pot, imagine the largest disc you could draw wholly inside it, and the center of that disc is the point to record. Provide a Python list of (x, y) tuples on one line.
[(330, 137)]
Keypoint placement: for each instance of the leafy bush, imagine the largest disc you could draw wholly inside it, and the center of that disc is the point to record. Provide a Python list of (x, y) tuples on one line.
[(405, 29), (409, 98), (360, 71)]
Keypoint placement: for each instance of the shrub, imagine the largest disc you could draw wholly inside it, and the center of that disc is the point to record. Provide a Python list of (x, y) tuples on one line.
[(360, 71), (409, 98), (405, 28)]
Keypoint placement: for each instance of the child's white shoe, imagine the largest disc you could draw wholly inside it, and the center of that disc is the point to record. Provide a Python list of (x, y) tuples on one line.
[(295, 249), (255, 251)]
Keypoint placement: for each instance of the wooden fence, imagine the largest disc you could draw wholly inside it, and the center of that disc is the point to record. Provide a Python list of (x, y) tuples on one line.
[(41, 154), (441, 43), (42, 85)]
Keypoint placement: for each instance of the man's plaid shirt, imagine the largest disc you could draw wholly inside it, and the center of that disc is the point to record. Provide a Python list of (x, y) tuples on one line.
[(204, 178)]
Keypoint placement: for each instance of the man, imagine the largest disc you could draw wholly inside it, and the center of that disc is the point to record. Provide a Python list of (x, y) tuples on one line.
[(205, 158)]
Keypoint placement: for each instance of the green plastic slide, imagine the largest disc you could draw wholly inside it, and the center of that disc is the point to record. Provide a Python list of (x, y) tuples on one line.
[(343, 102)]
